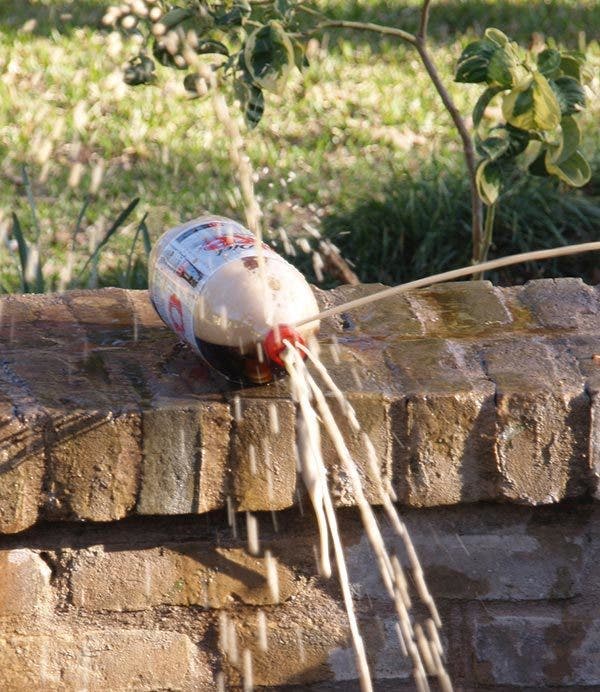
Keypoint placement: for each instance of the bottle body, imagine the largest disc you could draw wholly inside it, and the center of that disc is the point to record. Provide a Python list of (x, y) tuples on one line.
[(222, 294)]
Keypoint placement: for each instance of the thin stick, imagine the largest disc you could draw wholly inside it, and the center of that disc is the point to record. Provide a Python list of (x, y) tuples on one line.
[(454, 274)]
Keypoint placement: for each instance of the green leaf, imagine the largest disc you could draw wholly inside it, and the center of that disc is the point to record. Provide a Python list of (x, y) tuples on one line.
[(269, 56), (255, 107), (483, 102), (300, 55), (500, 68), (176, 16), (549, 62), (545, 104), (569, 93), (518, 140), (252, 100), (571, 63), (235, 16), (489, 181), (574, 171), (23, 251), (284, 8), (535, 108), (211, 47), (473, 63), (538, 166), (140, 70), (496, 36), (119, 221), (569, 141), (494, 147)]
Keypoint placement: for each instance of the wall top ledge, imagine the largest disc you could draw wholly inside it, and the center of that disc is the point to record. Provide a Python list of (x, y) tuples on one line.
[(468, 392)]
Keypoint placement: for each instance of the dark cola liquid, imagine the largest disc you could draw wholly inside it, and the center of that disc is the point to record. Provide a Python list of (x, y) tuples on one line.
[(241, 369)]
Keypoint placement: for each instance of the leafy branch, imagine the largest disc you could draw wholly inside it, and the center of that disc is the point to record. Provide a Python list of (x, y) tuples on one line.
[(257, 45)]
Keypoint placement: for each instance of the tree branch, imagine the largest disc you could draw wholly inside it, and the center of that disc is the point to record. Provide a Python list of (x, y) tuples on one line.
[(366, 26), (418, 42), (422, 33), (467, 142)]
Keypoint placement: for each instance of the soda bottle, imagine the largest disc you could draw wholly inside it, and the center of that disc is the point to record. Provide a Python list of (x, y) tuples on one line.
[(231, 301)]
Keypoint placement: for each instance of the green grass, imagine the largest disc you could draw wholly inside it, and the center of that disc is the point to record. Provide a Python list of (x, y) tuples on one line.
[(341, 148)]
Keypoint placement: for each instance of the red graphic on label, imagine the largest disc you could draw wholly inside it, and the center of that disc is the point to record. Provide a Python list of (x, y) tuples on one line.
[(233, 240), (176, 314)]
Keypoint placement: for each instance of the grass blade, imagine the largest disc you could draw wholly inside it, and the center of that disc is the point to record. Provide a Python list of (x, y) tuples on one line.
[(131, 249), (111, 231), (23, 251), (84, 206), (39, 276), (31, 200), (146, 237)]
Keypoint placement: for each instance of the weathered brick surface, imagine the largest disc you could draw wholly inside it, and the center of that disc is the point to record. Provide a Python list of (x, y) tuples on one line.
[(463, 308), (22, 466), (185, 574), (263, 463), (469, 392), (466, 566), (562, 304), (186, 472), (443, 426), (142, 606), (542, 420), (96, 660), (535, 650), (24, 584), (94, 466)]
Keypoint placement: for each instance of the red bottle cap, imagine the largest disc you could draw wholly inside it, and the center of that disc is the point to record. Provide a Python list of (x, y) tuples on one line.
[(273, 343)]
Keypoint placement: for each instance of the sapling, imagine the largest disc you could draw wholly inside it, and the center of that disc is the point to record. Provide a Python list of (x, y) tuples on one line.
[(541, 97), (257, 45)]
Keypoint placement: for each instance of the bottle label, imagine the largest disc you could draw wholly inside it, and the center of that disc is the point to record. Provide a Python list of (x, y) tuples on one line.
[(190, 256)]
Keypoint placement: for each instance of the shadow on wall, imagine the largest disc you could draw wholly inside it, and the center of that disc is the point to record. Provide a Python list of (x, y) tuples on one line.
[(421, 224)]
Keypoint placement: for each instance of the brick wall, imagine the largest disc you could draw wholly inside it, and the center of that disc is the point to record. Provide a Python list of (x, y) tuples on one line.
[(120, 452)]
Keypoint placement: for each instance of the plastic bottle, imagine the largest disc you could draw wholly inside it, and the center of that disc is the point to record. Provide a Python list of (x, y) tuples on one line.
[(207, 284)]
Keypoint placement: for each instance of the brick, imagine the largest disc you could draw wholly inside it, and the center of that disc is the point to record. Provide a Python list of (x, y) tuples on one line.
[(263, 463), (394, 315), (301, 634), (542, 420), (197, 574), (25, 588), (96, 660), (562, 304), (215, 423), (22, 467), (94, 466), (442, 425), (372, 413), (537, 650), (30, 662), (186, 472), (36, 321), (381, 642), (140, 659), (594, 443), (77, 369), (487, 567), (461, 308)]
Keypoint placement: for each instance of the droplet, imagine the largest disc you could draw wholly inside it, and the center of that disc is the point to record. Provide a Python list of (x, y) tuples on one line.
[(252, 530)]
